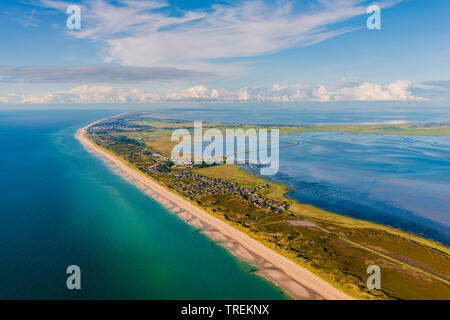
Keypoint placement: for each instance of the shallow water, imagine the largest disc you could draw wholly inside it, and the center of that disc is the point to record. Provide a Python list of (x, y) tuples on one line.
[(402, 181), (291, 115)]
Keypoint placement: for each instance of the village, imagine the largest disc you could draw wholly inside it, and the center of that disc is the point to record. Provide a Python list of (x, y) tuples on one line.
[(193, 186)]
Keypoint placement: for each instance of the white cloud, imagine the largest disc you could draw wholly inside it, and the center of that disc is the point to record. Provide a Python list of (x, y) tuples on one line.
[(194, 93), (342, 91), (370, 91), (147, 33), (85, 94), (346, 90)]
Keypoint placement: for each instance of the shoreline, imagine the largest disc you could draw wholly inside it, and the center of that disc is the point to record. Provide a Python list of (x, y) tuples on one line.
[(296, 281)]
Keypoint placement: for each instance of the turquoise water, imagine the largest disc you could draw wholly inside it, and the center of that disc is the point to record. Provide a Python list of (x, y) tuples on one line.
[(61, 206)]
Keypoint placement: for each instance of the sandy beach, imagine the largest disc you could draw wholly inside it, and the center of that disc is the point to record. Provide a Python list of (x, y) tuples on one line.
[(297, 282)]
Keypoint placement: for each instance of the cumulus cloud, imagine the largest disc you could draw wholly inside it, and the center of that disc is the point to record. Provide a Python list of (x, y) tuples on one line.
[(353, 90), (370, 91), (98, 74), (342, 91), (149, 33), (85, 94)]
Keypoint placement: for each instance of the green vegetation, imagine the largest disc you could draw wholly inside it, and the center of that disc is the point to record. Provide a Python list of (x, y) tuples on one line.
[(426, 129), (337, 248), (432, 129), (237, 174)]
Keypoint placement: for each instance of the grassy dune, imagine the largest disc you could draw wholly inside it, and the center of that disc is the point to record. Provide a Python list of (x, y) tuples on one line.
[(336, 247), (405, 249)]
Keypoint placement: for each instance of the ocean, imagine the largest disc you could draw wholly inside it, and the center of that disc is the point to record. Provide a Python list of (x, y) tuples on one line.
[(62, 206)]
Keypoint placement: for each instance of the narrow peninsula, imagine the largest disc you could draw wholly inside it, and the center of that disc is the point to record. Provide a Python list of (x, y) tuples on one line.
[(308, 252)]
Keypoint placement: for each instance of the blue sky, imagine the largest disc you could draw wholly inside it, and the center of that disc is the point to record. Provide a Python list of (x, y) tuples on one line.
[(227, 51)]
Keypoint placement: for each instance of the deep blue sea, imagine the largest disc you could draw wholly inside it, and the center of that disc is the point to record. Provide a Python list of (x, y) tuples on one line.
[(61, 206)]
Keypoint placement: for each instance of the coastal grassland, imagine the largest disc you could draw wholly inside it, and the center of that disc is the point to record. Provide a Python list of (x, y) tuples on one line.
[(403, 247), (156, 133), (327, 254), (426, 129), (336, 247), (432, 129)]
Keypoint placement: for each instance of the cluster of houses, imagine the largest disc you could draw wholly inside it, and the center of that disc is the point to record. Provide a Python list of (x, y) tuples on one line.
[(197, 185), (154, 167), (114, 125), (194, 185)]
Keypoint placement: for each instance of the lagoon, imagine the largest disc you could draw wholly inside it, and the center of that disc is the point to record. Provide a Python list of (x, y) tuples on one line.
[(395, 180)]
